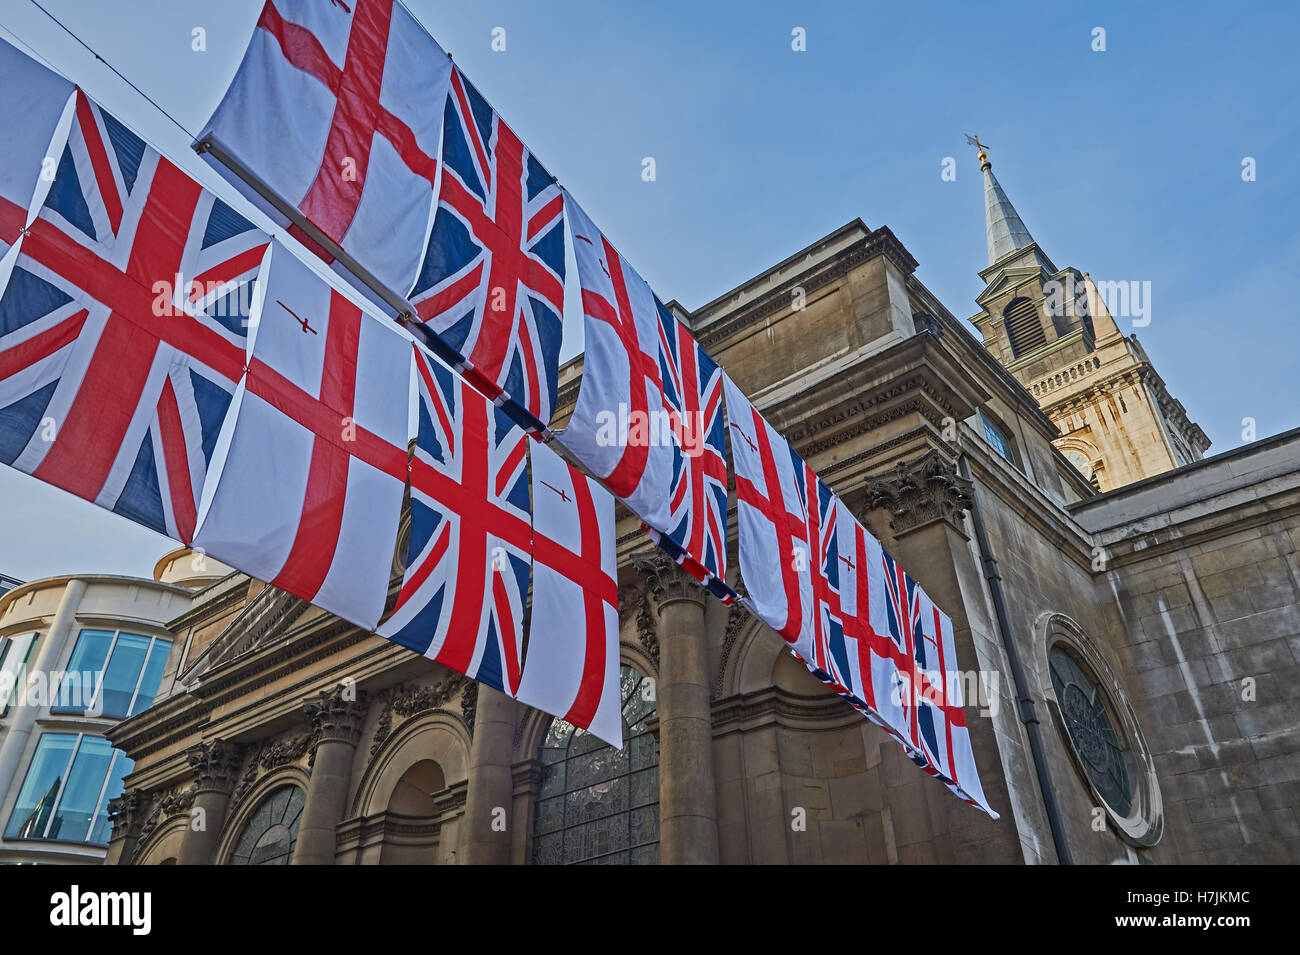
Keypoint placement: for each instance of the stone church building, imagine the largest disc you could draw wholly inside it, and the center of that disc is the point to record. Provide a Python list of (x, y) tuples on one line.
[(1125, 608)]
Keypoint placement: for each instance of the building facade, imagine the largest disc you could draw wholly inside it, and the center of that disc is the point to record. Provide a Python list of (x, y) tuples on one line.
[(77, 655), (1130, 657)]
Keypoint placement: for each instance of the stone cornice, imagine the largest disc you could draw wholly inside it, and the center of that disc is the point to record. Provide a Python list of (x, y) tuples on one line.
[(743, 712), (213, 599), (880, 242)]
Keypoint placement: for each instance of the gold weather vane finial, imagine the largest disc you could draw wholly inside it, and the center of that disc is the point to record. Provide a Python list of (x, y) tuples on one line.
[(975, 141)]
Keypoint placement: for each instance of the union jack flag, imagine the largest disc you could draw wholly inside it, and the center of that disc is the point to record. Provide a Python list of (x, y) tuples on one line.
[(123, 328), (468, 561), (490, 294), (920, 640), (696, 533)]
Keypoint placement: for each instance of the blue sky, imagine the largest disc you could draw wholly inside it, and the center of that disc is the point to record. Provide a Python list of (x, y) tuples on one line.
[(1125, 163)]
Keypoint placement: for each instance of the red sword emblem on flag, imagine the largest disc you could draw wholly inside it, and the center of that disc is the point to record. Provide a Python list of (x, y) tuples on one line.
[(563, 496), (301, 321)]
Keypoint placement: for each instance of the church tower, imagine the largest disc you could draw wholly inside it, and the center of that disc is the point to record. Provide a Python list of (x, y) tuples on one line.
[(1054, 331)]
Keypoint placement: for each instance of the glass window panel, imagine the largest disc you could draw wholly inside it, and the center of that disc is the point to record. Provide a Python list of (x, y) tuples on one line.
[(997, 438), (121, 768), (76, 809), (36, 799), (153, 671), (122, 674), (88, 658), (14, 655)]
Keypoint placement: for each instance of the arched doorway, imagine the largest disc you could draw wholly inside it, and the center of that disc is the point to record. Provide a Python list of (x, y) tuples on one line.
[(411, 828)]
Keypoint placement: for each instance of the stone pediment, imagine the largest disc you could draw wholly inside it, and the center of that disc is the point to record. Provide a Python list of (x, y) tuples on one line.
[(262, 622)]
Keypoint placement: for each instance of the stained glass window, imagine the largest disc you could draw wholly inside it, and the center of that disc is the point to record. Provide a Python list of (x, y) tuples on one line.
[(600, 805), (1092, 733), (272, 831)]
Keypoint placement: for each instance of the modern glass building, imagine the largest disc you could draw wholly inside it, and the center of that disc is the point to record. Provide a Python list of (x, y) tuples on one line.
[(77, 655)]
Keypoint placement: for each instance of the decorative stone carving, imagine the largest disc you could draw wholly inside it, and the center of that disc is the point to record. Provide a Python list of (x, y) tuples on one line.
[(272, 754), (336, 717), (667, 582), (925, 322), (172, 803), (405, 701), (920, 492), (469, 704), (633, 600), (737, 617), (126, 813), (215, 765)]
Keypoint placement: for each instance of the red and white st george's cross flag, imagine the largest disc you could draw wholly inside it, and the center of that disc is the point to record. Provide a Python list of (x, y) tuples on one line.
[(772, 515), (572, 665), (337, 110), (123, 336), (313, 461), (620, 428), (32, 106)]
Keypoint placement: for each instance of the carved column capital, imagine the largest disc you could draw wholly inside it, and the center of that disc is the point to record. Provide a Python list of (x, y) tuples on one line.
[(667, 582), (920, 492), (215, 766), (126, 812), (337, 717)]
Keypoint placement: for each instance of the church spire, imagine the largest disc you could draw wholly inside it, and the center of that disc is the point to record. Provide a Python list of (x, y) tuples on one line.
[(1006, 230)]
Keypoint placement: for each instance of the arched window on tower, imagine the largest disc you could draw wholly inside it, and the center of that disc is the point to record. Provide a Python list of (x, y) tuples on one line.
[(598, 804), (1024, 328)]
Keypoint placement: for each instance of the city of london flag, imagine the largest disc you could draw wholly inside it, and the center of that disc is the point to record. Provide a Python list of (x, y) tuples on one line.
[(774, 502), (312, 463), (620, 428), (572, 664)]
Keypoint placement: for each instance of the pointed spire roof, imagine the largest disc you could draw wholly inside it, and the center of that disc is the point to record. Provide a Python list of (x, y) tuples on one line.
[(1006, 231)]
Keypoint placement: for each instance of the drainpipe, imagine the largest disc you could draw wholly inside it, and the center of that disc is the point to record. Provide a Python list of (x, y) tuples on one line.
[(1024, 702)]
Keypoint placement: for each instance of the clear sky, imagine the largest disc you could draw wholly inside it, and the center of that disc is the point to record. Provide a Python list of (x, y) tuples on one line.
[(1126, 163)]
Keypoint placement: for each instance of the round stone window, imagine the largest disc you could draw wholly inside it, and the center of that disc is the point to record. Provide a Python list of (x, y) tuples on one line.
[(1102, 733), (1090, 729)]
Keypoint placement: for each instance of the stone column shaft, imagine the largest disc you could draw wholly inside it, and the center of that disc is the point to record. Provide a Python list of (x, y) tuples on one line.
[(337, 726), (688, 805), (484, 834), (216, 767)]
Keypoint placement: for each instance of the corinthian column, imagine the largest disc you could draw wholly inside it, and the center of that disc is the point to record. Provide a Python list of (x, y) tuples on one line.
[(336, 720), (216, 768), (688, 807), (126, 813)]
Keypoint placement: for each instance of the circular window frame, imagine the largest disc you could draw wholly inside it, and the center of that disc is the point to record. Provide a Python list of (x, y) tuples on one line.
[(1143, 825)]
